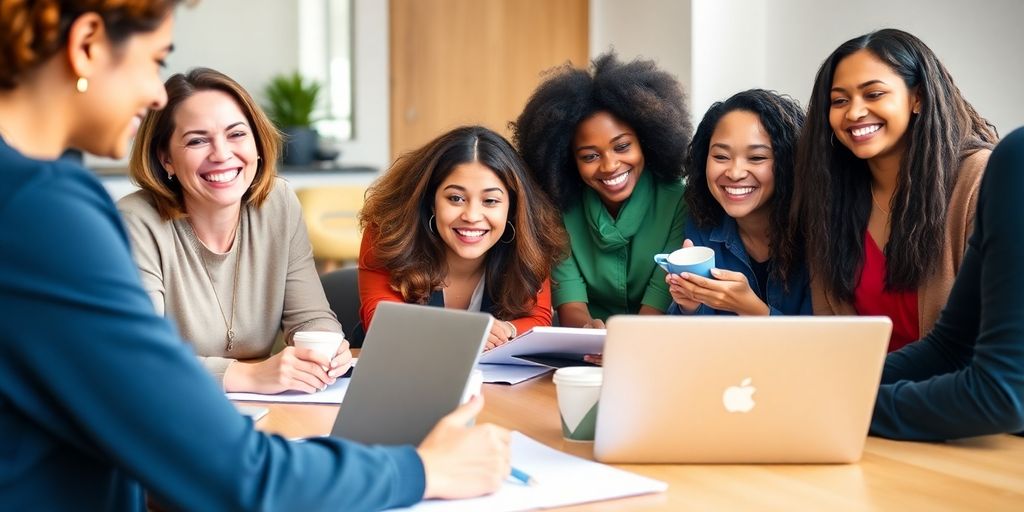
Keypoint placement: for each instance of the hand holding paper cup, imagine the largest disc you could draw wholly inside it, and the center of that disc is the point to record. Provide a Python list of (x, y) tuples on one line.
[(322, 342), (695, 260), (578, 389)]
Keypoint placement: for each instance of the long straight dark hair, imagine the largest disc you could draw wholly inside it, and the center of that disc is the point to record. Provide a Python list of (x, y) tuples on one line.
[(832, 202)]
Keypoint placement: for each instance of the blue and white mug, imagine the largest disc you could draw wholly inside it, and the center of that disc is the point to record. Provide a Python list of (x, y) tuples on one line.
[(695, 260)]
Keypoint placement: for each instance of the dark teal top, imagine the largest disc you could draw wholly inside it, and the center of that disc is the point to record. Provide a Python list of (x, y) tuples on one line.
[(611, 262), (99, 397), (966, 377)]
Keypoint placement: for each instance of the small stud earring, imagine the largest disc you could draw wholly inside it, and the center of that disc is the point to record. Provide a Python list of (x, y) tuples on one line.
[(82, 84)]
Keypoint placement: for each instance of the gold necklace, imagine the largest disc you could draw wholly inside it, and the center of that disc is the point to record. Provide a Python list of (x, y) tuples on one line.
[(229, 334), (874, 200)]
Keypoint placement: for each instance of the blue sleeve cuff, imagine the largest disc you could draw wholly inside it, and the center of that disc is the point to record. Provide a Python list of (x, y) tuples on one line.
[(412, 480)]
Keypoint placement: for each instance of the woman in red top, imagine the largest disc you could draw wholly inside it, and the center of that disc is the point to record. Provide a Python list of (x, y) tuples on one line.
[(459, 224), (887, 174)]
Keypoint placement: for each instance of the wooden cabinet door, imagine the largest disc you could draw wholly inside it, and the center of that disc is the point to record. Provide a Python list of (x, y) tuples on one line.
[(456, 62)]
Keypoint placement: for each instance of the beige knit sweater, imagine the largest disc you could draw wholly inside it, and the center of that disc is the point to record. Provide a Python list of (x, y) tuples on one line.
[(278, 287)]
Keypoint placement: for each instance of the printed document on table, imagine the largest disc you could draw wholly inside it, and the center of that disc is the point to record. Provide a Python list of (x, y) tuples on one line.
[(334, 394), (562, 480)]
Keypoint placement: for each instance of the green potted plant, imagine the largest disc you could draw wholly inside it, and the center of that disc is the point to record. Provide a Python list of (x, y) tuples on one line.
[(291, 100)]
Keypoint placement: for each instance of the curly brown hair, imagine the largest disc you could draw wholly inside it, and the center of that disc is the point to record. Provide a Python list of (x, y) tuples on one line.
[(32, 31), (637, 93), (402, 200)]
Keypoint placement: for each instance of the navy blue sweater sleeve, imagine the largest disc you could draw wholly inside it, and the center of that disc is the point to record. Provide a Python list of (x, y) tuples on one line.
[(966, 377), (87, 366)]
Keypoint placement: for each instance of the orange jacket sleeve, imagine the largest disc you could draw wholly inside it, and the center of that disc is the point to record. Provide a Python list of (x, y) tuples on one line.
[(541, 313), (375, 287), (374, 282)]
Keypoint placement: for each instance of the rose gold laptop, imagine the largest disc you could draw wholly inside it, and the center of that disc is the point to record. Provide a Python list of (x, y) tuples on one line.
[(739, 390)]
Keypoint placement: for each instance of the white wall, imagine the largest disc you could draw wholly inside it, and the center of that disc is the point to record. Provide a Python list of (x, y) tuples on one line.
[(727, 48), (779, 44), (652, 29), (979, 42)]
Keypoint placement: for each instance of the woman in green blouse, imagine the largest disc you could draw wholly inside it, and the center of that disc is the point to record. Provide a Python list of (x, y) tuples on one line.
[(588, 137)]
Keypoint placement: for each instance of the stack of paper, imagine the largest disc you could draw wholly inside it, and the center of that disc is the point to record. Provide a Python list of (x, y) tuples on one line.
[(538, 351), (334, 394), (562, 480)]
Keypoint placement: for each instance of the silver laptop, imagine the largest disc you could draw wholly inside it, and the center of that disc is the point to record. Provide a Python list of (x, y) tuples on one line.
[(412, 371), (739, 390)]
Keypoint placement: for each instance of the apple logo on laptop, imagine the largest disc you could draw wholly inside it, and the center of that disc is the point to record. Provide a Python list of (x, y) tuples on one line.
[(739, 398)]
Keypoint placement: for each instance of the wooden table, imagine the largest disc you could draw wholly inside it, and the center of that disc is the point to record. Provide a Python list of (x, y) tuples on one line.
[(985, 473)]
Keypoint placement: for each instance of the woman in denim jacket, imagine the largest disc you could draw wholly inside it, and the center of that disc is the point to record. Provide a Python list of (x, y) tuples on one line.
[(739, 174)]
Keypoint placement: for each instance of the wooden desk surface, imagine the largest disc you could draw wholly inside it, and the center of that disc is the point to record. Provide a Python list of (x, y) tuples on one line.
[(985, 473)]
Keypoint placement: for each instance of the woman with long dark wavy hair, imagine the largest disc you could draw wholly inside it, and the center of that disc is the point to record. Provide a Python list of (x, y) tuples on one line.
[(460, 224), (888, 169), (607, 144), (739, 171)]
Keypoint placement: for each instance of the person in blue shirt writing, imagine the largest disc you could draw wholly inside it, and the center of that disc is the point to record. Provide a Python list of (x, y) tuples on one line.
[(739, 172), (100, 400)]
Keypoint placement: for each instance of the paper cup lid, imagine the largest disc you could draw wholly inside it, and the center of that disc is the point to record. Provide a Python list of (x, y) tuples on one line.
[(318, 337), (579, 376)]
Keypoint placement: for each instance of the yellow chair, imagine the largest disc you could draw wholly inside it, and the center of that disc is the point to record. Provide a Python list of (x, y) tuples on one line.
[(331, 214)]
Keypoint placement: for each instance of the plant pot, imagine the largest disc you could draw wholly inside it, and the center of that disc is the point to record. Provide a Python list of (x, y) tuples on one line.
[(300, 145)]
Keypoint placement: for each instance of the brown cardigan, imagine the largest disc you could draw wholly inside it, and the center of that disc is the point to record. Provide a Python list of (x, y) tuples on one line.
[(933, 292)]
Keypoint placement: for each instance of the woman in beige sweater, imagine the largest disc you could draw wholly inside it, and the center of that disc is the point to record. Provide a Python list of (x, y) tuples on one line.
[(888, 170), (220, 242)]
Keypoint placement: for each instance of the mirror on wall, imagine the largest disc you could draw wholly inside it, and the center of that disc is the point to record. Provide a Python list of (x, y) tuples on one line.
[(325, 54), (253, 40)]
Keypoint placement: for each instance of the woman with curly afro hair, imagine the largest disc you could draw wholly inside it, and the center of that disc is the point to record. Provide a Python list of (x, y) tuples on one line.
[(588, 137)]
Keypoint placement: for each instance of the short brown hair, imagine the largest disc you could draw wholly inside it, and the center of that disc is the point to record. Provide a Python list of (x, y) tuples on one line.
[(154, 135), (32, 32)]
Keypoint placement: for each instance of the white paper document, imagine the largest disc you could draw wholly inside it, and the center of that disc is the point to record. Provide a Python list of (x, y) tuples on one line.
[(510, 373), (334, 394), (562, 479), (565, 342)]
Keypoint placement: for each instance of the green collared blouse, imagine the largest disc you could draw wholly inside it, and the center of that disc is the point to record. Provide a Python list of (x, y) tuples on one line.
[(611, 264)]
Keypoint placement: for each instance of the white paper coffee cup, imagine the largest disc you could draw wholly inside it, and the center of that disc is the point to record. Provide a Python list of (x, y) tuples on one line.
[(579, 390), (322, 342)]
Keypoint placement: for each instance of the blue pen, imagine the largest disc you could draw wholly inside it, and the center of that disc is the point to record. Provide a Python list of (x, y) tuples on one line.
[(522, 477)]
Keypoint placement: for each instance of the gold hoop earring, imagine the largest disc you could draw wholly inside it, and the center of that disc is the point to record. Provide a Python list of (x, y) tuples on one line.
[(82, 84)]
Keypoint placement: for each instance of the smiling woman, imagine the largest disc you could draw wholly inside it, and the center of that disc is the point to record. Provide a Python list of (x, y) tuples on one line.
[(211, 207), (740, 167), (459, 224), (888, 172), (607, 145)]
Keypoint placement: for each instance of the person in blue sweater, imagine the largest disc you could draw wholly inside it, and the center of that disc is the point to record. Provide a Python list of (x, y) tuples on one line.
[(100, 400), (966, 377), (740, 174)]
